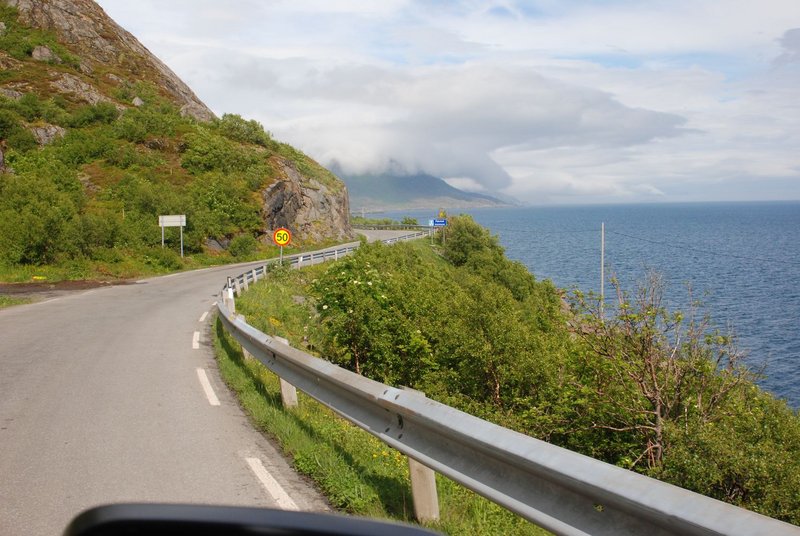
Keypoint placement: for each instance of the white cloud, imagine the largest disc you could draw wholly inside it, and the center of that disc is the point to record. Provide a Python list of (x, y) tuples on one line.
[(593, 102)]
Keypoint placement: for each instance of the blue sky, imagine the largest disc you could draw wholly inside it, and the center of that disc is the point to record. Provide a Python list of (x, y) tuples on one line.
[(546, 101)]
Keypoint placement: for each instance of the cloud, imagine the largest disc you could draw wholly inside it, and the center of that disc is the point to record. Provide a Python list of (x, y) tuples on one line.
[(791, 46), (569, 102), (444, 120)]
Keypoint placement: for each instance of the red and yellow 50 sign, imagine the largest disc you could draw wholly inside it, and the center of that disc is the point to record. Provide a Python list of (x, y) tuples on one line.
[(282, 236)]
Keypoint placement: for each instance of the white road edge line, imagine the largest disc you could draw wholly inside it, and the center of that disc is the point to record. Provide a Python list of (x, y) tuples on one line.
[(203, 318), (210, 394), (196, 340), (275, 490)]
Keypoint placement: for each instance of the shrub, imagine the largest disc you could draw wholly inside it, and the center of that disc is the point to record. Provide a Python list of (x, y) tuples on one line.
[(208, 151), (235, 128), (243, 245)]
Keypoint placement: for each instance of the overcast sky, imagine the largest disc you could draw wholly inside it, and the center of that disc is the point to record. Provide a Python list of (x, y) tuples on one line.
[(548, 101)]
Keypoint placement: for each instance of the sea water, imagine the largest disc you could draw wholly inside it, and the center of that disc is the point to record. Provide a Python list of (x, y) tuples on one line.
[(742, 260)]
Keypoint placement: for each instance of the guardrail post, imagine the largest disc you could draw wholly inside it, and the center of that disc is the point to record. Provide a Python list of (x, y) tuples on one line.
[(288, 391), (423, 491), (244, 280), (227, 297), (423, 486), (237, 286), (255, 275)]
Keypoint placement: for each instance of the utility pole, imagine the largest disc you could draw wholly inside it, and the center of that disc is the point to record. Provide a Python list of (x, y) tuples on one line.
[(602, 267)]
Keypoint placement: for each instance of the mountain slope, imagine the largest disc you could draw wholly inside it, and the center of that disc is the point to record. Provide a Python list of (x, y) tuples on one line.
[(98, 138), (105, 51), (388, 191)]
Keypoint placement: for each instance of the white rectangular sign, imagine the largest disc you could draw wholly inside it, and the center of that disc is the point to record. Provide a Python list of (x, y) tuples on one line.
[(177, 220)]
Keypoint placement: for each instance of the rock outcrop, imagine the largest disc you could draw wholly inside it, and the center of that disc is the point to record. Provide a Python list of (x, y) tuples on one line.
[(43, 53), (308, 208), (69, 83), (85, 29), (46, 134)]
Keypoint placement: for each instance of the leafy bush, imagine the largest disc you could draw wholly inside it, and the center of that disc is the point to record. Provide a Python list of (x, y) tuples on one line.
[(164, 259), (235, 128), (102, 112), (34, 219), (243, 245), (138, 124), (208, 151), (656, 391), (14, 132)]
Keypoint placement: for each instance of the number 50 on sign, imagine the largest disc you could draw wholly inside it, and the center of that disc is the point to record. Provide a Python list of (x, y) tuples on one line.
[(281, 236)]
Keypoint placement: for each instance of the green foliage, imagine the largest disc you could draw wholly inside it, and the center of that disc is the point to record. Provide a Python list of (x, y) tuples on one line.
[(8, 124), (82, 146), (465, 238), (35, 218), (638, 386), (356, 472), (235, 128), (749, 459), (134, 165), (358, 220), (102, 112), (163, 259), (14, 133), (138, 124), (243, 245), (222, 204), (408, 220), (471, 245), (208, 151), (31, 108)]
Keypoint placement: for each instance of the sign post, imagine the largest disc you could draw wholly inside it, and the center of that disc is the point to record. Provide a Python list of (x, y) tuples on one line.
[(282, 237), (174, 220), (440, 222)]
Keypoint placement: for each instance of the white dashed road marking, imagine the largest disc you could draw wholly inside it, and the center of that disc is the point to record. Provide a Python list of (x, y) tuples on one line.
[(274, 489), (203, 318), (210, 394), (196, 340)]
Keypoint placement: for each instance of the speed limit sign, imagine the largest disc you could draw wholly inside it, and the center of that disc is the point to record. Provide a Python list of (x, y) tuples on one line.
[(282, 236)]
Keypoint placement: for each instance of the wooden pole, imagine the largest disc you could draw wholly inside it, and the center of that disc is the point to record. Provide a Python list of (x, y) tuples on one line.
[(602, 267)]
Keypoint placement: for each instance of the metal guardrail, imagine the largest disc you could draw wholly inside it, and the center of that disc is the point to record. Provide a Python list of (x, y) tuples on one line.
[(389, 226), (557, 489)]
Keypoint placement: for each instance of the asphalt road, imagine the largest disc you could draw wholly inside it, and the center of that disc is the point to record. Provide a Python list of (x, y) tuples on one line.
[(102, 400)]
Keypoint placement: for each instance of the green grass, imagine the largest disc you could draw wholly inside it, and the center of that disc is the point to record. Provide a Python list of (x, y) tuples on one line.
[(357, 472), (8, 301)]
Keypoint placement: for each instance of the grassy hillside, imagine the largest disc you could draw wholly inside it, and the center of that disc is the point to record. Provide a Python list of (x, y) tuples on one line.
[(83, 182)]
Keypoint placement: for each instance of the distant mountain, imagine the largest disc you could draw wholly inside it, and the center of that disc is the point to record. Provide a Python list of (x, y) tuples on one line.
[(421, 191)]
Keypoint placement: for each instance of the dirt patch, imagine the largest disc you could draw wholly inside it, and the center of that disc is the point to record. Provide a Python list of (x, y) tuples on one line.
[(38, 291)]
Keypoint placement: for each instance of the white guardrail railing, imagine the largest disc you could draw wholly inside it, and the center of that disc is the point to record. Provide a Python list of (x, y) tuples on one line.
[(555, 488)]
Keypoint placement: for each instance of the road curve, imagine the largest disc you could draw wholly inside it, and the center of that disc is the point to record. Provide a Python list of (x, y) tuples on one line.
[(106, 396)]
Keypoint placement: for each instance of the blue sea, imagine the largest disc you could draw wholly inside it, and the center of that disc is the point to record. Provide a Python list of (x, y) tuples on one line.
[(742, 260)]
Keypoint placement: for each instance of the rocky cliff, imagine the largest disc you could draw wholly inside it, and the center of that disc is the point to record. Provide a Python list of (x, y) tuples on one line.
[(302, 204), (103, 46)]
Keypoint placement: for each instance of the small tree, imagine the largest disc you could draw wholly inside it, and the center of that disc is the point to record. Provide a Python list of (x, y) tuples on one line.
[(654, 367)]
